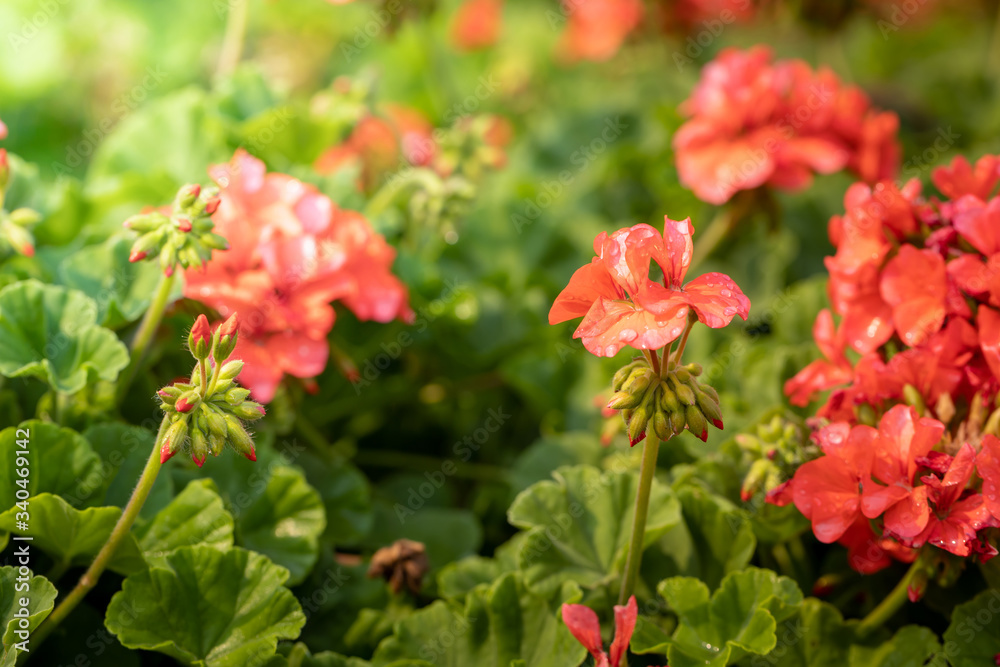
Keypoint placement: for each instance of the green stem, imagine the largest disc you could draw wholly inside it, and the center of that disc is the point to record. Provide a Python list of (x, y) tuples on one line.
[(891, 603), (107, 552), (651, 447), (717, 230), (232, 42), (150, 323), (692, 318), (58, 570)]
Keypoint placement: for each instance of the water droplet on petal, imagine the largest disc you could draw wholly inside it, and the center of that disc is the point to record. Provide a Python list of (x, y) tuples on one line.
[(627, 335)]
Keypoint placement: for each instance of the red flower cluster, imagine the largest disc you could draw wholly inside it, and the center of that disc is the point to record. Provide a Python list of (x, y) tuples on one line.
[(755, 122), (292, 253), (894, 475), (916, 276), (595, 29), (621, 305)]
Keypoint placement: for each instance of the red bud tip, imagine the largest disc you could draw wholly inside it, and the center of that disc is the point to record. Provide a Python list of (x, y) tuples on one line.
[(252, 455), (163, 394), (704, 435), (996, 660), (717, 423), (137, 256), (194, 189), (184, 225), (165, 452), (197, 462), (260, 409), (914, 593), (605, 440), (745, 494), (183, 406), (312, 387), (212, 205), (771, 453), (3, 153), (3, 131), (637, 441), (28, 251), (228, 327), (201, 331), (169, 271)]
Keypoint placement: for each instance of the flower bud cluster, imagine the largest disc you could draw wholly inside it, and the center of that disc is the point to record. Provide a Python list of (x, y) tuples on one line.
[(209, 411), (184, 235), (773, 449), (667, 402), (15, 226)]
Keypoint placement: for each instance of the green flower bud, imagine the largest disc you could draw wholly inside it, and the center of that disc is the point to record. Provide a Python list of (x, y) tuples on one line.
[(230, 370), (622, 374), (624, 401), (668, 399), (200, 448), (25, 217), (684, 393), (237, 395), (638, 382), (173, 438), (696, 422), (694, 369), (239, 438), (683, 375), (637, 424), (710, 409), (661, 426)]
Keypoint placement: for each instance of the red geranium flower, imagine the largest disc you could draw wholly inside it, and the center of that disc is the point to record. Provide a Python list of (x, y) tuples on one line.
[(988, 466), (595, 29), (292, 253), (903, 439), (957, 515), (622, 306), (827, 490), (583, 623), (959, 179), (823, 374)]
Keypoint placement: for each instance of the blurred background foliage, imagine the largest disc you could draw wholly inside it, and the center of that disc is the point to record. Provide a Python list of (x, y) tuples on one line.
[(114, 105)]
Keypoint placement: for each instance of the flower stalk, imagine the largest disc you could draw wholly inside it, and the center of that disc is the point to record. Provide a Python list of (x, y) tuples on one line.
[(651, 450), (144, 335), (892, 602)]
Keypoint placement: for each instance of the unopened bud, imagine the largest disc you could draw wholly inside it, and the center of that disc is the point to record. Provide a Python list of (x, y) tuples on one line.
[(696, 422), (199, 447), (237, 395), (200, 338), (637, 425), (187, 195), (239, 438), (230, 369)]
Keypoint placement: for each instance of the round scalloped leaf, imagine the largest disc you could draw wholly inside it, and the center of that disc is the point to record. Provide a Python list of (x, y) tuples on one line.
[(51, 333), (41, 595), (207, 608), (196, 516), (580, 524), (71, 536), (121, 289), (61, 461), (499, 624), (973, 638)]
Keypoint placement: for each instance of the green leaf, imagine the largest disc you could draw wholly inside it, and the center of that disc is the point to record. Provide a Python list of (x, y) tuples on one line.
[(60, 461), (50, 332), (41, 595), (285, 522), (277, 512), (124, 450), (739, 619), (73, 536), (298, 655), (121, 289), (714, 539), (579, 525), (816, 636), (538, 461), (208, 608), (973, 638), (196, 516), (498, 624), (912, 646)]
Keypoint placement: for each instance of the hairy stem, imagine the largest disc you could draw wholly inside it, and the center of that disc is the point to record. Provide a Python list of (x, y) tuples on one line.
[(150, 323), (107, 552), (651, 447)]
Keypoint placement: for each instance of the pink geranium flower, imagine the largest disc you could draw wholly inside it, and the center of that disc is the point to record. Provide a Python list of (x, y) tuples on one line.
[(292, 253)]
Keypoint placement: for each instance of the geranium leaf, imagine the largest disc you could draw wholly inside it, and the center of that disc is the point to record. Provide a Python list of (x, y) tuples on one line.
[(61, 462), (41, 595), (51, 333), (912, 645), (816, 636), (579, 525), (739, 619), (196, 516), (121, 289), (973, 638), (73, 536), (498, 624), (207, 608)]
